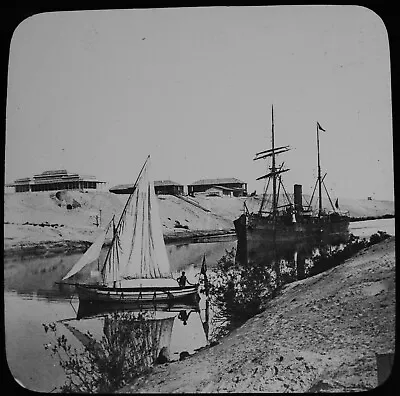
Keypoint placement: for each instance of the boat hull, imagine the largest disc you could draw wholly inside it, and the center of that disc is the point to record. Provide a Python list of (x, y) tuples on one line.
[(136, 294)]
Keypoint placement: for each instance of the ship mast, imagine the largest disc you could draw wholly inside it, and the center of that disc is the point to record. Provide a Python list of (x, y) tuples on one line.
[(319, 176), (273, 170)]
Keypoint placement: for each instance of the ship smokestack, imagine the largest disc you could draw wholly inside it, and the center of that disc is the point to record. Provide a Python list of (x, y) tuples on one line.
[(298, 203)]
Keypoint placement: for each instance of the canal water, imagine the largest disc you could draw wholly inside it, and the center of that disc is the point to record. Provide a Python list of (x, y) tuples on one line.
[(32, 298)]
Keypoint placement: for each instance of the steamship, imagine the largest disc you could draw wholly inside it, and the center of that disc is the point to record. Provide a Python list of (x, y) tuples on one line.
[(290, 221)]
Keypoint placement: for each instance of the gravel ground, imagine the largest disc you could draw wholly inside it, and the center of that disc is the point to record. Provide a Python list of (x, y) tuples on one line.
[(320, 334)]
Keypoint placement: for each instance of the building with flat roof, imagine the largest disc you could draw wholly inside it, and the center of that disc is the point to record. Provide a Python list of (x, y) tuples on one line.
[(160, 187), (168, 187), (225, 186), (56, 180)]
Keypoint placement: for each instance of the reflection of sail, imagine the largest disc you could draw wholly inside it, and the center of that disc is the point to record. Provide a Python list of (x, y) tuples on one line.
[(127, 339), (159, 336), (155, 334), (131, 334), (144, 329)]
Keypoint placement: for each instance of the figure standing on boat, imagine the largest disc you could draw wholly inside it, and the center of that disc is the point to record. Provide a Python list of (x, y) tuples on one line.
[(182, 280)]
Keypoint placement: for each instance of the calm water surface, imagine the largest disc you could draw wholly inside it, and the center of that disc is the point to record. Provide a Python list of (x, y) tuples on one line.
[(32, 298)]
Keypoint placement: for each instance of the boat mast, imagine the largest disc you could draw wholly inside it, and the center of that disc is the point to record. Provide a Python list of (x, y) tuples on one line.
[(319, 177), (274, 203)]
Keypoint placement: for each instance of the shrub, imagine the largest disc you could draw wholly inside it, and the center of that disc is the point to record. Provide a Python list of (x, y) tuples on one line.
[(339, 254), (378, 237), (236, 291)]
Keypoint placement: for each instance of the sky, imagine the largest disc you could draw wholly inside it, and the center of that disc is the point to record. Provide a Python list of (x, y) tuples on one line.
[(95, 92)]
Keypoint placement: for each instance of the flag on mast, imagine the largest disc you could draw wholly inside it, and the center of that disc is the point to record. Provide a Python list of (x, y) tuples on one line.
[(337, 203), (320, 127), (203, 266)]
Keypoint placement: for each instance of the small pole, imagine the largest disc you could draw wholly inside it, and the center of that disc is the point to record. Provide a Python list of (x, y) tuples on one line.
[(100, 218)]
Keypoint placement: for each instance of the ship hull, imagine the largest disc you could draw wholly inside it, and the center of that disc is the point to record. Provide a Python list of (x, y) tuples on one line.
[(255, 232)]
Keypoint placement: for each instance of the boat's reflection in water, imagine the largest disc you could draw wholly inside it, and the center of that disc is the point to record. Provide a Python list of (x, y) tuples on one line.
[(287, 262), (142, 334)]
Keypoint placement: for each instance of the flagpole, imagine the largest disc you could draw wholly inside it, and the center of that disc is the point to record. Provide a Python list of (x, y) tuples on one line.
[(319, 176)]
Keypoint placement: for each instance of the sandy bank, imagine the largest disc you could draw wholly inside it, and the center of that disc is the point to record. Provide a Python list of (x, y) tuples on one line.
[(319, 334), (35, 246), (41, 223), (53, 222)]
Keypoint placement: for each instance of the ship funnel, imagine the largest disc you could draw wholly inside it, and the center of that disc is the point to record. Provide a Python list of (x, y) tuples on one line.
[(298, 204)]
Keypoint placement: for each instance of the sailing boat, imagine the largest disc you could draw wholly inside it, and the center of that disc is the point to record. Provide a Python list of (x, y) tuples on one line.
[(136, 267), (286, 222)]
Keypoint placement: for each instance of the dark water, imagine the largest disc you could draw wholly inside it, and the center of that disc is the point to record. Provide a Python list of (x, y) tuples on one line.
[(32, 298)]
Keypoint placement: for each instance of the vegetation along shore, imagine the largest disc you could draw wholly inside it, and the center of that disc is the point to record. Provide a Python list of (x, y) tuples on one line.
[(319, 334)]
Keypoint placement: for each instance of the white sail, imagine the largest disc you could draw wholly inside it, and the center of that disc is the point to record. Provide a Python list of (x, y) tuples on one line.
[(90, 255), (138, 251)]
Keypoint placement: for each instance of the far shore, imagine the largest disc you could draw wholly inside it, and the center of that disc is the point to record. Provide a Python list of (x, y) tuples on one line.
[(48, 248), (366, 218), (52, 248), (44, 224)]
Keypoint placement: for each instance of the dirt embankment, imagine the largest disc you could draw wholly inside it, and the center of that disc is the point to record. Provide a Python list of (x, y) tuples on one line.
[(319, 334), (51, 222)]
